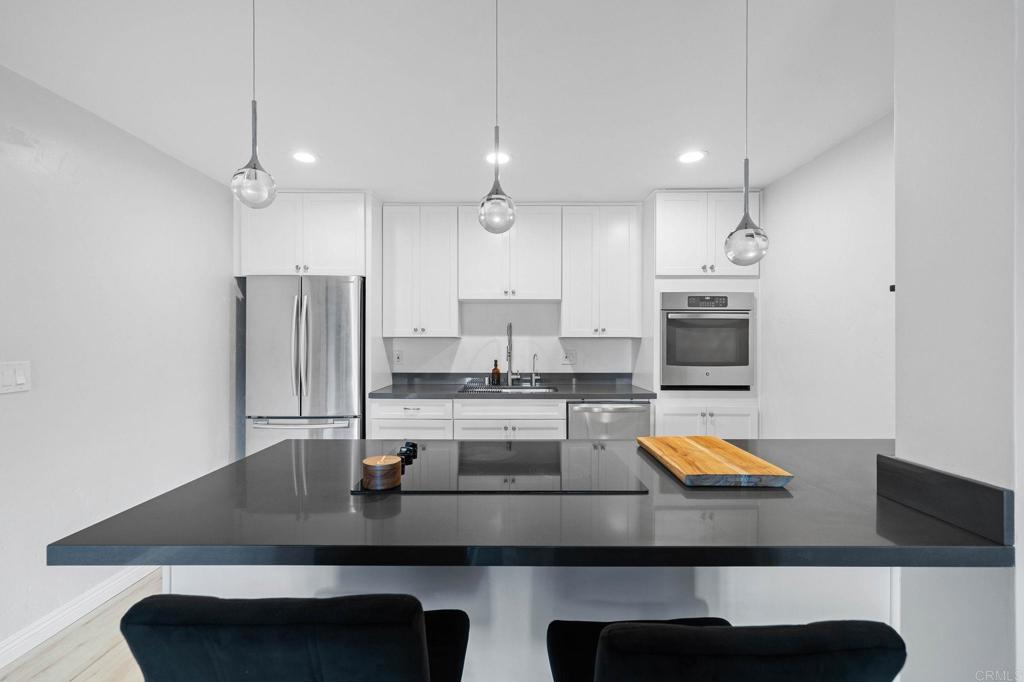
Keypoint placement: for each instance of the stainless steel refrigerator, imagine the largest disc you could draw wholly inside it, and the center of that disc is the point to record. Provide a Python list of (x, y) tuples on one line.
[(303, 359)]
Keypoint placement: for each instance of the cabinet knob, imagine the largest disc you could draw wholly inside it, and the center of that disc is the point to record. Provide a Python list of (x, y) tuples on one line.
[(297, 268), (704, 268), (703, 414), (712, 268), (513, 292), (595, 330), (422, 329), (513, 428), (506, 292), (711, 414), (305, 268), (506, 427), (603, 330), (415, 329)]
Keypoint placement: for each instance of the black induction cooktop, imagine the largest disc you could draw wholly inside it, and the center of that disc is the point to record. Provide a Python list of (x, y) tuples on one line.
[(514, 468)]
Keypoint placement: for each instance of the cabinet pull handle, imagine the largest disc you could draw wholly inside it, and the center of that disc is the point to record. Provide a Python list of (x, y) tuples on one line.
[(297, 268), (712, 268), (513, 428), (704, 268), (513, 292), (305, 268), (595, 330), (603, 330), (415, 409), (703, 414), (506, 427), (422, 329), (711, 414), (506, 292)]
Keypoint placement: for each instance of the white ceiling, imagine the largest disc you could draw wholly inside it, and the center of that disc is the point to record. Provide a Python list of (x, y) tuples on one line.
[(598, 96)]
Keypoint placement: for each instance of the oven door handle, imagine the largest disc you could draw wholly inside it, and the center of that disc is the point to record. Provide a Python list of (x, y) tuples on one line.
[(735, 314)]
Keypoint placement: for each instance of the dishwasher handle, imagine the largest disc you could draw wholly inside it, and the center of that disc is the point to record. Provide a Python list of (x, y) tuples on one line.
[(603, 408)]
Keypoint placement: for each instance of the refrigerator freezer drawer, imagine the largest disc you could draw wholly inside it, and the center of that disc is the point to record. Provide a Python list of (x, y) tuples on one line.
[(262, 433)]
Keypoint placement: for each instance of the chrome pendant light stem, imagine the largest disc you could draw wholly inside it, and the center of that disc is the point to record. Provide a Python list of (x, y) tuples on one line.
[(252, 184), (748, 243), (497, 210)]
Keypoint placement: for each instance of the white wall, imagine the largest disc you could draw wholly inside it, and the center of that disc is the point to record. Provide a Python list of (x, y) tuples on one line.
[(115, 265), (826, 310), (535, 328), (954, 175)]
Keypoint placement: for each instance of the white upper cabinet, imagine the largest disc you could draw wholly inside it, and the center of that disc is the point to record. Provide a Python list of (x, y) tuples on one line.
[(333, 234), (691, 228), (601, 280), (420, 271), (521, 264), (270, 239), (535, 253), (316, 233)]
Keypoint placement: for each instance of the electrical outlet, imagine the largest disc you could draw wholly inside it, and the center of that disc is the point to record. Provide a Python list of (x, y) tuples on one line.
[(569, 356), (15, 377), (398, 356)]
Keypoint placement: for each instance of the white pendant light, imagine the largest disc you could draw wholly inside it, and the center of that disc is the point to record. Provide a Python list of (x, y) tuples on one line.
[(251, 183), (497, 210), (748, 243)]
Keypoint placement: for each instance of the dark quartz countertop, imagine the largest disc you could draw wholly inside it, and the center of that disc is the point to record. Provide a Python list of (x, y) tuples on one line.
[(447, 387), (291, 504)]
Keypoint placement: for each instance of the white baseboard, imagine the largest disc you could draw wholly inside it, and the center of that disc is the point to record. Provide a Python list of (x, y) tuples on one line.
[(33, 635)]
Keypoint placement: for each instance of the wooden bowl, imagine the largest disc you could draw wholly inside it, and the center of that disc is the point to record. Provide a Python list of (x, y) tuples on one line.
[(382, 472)]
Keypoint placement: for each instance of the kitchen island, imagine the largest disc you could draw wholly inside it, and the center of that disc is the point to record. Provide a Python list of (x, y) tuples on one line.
[(606, 533), (291, 504)]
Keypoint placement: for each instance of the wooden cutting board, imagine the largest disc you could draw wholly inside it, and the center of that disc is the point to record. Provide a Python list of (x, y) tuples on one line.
[(710, 461)]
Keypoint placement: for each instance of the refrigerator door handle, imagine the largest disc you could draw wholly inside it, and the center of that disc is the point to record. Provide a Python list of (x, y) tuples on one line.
[(294, 365), (304, 346), (337, 424)]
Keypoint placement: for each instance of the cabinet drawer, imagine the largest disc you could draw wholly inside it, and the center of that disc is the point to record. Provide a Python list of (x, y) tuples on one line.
[(410, 409), (482, 429), (509, 409), (410, 429), (537, 429)]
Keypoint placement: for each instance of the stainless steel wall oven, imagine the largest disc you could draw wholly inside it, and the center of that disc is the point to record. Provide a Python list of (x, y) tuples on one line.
[(707, 341)]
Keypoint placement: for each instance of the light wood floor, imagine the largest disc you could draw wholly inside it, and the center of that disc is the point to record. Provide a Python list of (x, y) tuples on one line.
[(90, 650)]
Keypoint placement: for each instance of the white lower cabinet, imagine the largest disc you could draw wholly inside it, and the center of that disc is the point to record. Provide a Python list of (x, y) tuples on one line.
[(410, 419), (510, 429), (509, 419), (725, 419), (410, 429)]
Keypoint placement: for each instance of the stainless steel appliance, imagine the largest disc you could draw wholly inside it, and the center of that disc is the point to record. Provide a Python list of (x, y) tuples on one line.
[(303, 359), (613, 420), (707, 341)]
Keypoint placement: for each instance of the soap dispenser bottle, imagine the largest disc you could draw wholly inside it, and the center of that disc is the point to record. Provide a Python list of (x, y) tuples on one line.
[(495, 375)]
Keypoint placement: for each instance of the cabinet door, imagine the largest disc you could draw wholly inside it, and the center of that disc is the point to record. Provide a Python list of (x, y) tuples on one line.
[(410, 429), (682, 233), (482, 429), (579, 271), (680, 420), (724, 212), (333, 234), (483, 260), (732, 422), (270, 238), (401, 300), (537, 429), (436, 273), (535, 245), (618, 271)]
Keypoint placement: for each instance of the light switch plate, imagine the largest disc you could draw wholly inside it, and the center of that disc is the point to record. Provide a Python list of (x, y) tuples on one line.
[(569, 356), (15, 377)]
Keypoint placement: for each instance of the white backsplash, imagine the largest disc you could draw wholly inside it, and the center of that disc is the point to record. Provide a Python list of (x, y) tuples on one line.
[(535, 328)]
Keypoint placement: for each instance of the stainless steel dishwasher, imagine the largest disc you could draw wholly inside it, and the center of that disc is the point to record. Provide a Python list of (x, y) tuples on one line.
[(609, 420)]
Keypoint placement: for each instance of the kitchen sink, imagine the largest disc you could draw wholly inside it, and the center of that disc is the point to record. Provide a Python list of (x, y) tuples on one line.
[(508, 389)]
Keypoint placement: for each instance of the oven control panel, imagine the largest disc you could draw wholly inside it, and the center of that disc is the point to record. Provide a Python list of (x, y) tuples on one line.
[(707, 301)]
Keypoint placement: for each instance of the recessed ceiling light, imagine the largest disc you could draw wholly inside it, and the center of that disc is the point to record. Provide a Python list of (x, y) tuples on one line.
[(692, 156), (502, 158), (304, 157)]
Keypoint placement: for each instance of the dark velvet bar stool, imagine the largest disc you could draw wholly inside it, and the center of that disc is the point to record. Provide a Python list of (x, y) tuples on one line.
[(836, 651), (572, 644), (368, 638)]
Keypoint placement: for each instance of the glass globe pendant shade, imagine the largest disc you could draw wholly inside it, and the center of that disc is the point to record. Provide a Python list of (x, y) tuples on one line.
[(251, 183), (747, 244), (497, 211), (254, 187)]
